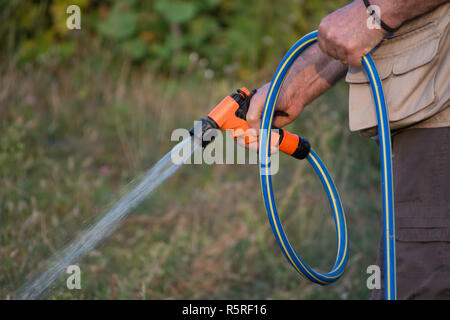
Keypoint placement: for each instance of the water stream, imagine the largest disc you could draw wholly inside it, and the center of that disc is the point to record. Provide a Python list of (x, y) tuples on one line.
[(107, 223)]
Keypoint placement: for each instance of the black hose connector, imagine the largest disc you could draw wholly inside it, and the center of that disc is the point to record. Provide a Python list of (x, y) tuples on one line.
[(302, 150), (204, 133), (244, 102)]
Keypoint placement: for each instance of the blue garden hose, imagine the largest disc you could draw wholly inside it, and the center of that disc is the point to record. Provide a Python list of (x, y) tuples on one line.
[(333, 196)]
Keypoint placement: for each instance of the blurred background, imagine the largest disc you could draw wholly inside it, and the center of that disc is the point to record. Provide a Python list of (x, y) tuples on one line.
[(83, 112)]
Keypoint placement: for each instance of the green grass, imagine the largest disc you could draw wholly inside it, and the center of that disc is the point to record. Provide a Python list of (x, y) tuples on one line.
[(72, 139)]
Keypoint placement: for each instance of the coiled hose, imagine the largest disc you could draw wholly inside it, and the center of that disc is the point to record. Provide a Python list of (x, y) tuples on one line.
[(333, 196)]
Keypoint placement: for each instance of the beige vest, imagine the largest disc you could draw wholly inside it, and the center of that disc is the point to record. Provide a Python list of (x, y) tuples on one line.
[(414, 65)]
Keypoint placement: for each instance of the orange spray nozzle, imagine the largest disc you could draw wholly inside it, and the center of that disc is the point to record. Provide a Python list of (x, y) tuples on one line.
[(230, 114)]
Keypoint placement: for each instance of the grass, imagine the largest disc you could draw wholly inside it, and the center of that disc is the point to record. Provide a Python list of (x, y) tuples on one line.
[(74, 136)]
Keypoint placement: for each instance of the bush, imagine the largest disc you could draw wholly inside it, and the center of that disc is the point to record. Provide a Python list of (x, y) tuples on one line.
[(224, 36)]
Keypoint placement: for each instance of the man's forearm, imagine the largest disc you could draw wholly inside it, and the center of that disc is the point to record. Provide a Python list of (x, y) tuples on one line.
[(395, 12), (312, 74)]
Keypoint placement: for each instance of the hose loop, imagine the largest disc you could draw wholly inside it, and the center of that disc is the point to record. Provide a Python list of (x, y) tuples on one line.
[(338, 212)]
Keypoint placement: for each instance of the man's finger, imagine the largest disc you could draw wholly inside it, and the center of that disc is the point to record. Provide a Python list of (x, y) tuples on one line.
[(254, 145), (254, 116), (322, 44), (280, 122), (342, 55), (254, 112), (354, 60)]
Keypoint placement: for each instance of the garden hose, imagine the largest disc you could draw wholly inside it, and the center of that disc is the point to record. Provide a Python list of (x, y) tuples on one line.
[(230, 114), (341, 228)]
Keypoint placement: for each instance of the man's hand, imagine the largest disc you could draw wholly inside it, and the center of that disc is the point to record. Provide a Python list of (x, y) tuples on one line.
[(287, 111), (345, 36), (311, 74)]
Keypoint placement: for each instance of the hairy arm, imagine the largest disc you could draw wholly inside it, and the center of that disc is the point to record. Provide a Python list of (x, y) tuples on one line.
[(312, 74), (395, 13)]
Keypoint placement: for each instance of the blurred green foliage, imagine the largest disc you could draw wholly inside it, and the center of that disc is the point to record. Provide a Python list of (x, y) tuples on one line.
[(225, 36)]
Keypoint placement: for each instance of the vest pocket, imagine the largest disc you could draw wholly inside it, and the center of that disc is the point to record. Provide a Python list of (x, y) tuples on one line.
[(407, 67)]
